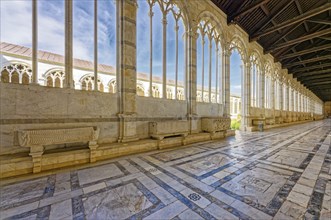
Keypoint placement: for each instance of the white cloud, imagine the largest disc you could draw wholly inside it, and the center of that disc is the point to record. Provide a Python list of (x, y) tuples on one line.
[(16, 22)]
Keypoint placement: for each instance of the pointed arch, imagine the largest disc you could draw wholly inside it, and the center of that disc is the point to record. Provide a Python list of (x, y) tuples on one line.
[(16, 72), (237, 43), (87, 82), (54, 77), (112, 86), (209, 55)]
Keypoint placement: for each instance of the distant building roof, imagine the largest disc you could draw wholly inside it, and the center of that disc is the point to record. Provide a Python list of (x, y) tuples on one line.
[(47, 57)]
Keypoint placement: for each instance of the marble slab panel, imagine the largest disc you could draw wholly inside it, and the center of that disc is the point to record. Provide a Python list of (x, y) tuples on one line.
[(177, 154), (20, 192), (118, 203), (288, 157), (98, 173), (246, 149), (258, 185), (206, 164)]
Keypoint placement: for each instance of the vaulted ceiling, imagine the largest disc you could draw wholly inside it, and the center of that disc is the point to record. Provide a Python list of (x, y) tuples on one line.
[(296, 32)]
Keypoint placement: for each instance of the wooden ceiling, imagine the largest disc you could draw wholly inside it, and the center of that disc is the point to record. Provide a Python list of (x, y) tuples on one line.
[(296, 32)]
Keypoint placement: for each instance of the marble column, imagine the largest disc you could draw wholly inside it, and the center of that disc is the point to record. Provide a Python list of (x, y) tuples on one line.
[(191, 82), (150, 14), (34, 42), (226, 69), (164, 56), (68, 60), (287, 97), (280, 89), (262, 89), (292, 99), (246, 95), (126, 70), (272, 92), (96, 46)]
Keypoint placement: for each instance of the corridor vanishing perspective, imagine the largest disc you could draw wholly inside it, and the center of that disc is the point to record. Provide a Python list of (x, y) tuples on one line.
[(165, 109), (279, 174)]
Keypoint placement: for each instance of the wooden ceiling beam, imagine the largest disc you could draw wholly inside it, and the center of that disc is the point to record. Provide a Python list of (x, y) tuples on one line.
[(283, 34), (302, 52), (325, 38), (245, 10), (292, 21), (311, 73), (299, 40), (320, 21), (312, 81), (317, 66), (315, 59), (273, 15), (314, 77), (320, 87)]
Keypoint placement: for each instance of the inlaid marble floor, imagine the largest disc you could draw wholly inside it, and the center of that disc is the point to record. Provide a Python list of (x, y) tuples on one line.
[(282, 173)]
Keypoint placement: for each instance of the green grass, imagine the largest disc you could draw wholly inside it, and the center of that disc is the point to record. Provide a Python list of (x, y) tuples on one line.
[(235, 124)]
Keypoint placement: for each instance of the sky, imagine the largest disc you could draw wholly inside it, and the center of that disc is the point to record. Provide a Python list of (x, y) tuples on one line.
[(235, 73), (18, 30)]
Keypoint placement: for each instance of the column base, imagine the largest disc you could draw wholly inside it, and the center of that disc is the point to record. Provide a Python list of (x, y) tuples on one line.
[(128, 128), (193, 119)]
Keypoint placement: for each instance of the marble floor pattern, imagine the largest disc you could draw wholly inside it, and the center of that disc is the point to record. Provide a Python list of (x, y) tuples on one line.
[(283, 173)]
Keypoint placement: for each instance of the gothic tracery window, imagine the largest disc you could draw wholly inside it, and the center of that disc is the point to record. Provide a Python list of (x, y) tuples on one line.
[(267, 86), (88, 83), (112, 86), (161, 42), (55, 78), (16, 73), (255, 79), (208, 62)]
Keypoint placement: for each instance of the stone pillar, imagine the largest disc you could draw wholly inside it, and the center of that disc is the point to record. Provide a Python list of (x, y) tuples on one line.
[(164, 56), (68, 60), (96, 46), (226, 63), (292, 99), (34, 42), (191, 82), (272, 92), (281, 102), (246, 93), (126, 70), (287, 98), (262, 89)]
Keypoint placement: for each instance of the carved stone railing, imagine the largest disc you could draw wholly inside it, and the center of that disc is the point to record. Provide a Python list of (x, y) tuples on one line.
[(161, 129), (37, 139), (213, 125)]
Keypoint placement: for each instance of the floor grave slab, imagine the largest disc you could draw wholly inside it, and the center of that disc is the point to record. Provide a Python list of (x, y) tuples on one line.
[(263, 189), (205, 166), (246, 149), (177, 154), (291, 158), (95, 174), (127, 200), (15, 194)]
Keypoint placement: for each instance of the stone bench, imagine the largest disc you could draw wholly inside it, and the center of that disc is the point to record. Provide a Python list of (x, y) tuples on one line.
[(36, 140), (256, 121), (269, 121), (161, 129), (213, 125)]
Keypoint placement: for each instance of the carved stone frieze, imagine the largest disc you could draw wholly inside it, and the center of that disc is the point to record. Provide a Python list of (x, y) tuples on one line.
[(213, 125), (37, 139), (161, 129)]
